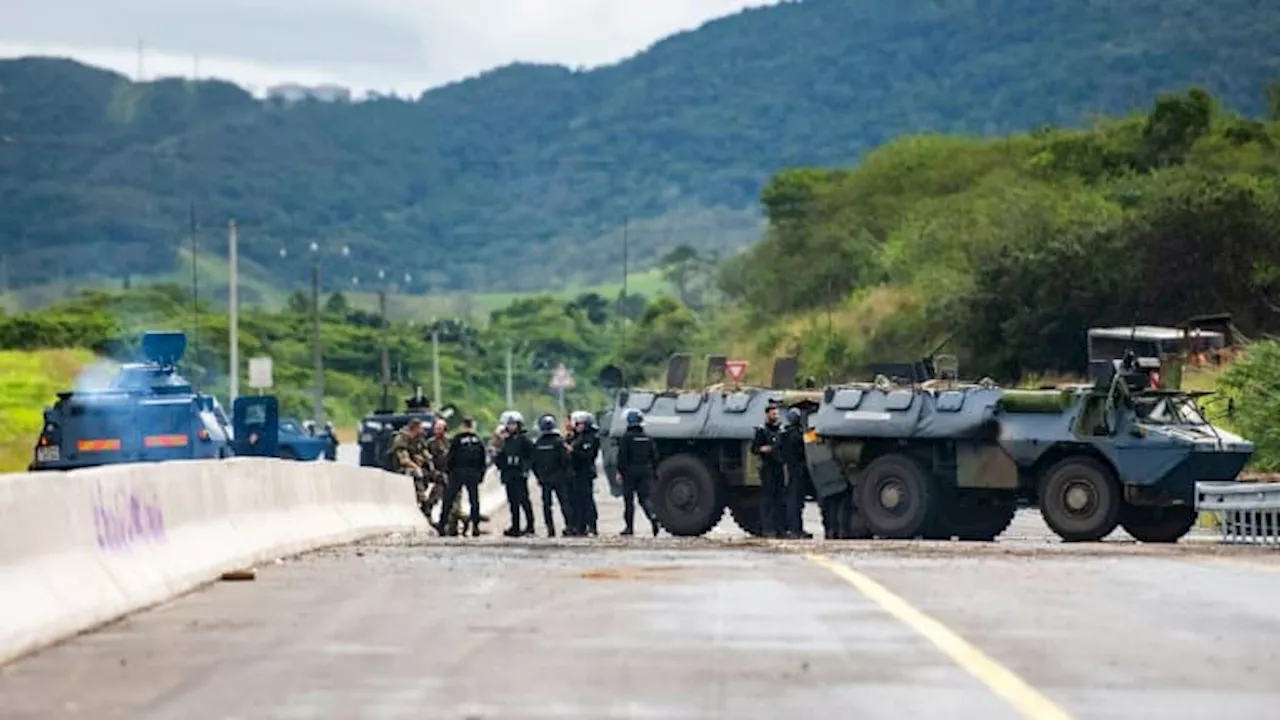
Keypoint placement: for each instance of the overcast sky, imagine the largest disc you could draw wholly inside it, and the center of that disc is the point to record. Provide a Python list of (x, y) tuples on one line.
[(385, 45)]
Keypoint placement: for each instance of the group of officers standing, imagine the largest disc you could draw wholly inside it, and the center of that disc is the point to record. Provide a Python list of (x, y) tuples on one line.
[(563, 463), (563, 460)]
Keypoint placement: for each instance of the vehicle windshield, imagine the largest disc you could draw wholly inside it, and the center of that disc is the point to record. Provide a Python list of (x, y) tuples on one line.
[(1169, 410)]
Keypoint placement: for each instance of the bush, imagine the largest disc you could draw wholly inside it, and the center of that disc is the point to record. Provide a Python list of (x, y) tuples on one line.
[(1253, 384)]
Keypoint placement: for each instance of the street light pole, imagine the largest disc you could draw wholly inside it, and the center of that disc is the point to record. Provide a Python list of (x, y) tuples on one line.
[(318, 388), (435, 362), (511, 400), (233, 299)]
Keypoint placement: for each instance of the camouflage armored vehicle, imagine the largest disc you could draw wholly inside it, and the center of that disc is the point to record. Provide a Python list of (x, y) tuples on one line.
[(951, 461), (703, 438)]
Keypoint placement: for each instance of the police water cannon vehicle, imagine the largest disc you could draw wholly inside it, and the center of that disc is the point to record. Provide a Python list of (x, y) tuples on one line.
[(703, 437), (377, 429), (148, 413), (948, 459)]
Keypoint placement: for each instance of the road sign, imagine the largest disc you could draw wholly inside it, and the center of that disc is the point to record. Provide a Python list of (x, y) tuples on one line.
[(260, 373), (561, 378), (735, 369)]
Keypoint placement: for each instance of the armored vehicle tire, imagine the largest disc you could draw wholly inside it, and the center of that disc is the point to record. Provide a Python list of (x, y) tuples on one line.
[(896, 496), (744, 506), (686, 497), (971, 518), (1157, 524), (1080, 500)]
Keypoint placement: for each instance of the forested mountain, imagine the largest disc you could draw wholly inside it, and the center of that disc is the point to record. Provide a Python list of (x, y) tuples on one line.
[(524, 177)]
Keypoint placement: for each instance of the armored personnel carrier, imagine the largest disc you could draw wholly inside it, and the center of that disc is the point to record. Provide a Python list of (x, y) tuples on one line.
[(147, 413), (703, 438), (943, 460), (379, 427)]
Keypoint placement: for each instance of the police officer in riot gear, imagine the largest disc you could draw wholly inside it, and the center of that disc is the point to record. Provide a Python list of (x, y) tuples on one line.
[(515, 460), (638, 465), (767, 447), (585, 448), (797, 474), (465, 464), (554, 470)]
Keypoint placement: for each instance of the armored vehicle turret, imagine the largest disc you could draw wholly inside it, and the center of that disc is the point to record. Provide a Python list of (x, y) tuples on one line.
[(703, 438), (147, 413), (943, 460)]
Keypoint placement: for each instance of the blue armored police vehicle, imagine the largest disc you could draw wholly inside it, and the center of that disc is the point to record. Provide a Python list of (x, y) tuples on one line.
[(703, 437), (942, 459), (147, 413)]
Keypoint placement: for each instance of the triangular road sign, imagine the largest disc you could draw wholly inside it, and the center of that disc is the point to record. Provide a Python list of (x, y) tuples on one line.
[(735, 369)]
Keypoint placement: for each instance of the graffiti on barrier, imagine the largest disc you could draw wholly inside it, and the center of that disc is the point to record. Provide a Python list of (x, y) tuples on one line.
[(126, 518)]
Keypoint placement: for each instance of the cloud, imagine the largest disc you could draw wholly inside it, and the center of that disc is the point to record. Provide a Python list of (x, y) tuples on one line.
[(402, 45)]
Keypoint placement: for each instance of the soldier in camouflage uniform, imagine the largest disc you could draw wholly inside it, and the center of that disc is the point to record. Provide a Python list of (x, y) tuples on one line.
[(438, 447), (409, 450)]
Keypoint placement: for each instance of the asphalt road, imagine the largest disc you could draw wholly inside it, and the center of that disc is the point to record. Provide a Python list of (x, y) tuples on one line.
[(718, 627)]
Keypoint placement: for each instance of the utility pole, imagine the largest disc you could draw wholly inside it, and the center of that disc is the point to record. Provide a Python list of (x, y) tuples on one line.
[(4, 278), (386, 357), (435, 363), (622, 316), (195, 284), (511, 400), (315, 329), (234, 301)]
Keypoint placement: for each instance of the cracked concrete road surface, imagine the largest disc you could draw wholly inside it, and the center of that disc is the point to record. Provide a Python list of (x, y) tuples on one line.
[(717, 627)]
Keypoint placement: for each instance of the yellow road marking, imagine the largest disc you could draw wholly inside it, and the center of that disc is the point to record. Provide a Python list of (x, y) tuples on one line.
[(999, 679)]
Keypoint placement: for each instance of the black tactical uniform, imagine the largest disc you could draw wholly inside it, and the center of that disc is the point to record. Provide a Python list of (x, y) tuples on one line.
[(638, 464), (772, 478), (551, 464), (516, 459), (586, 446), (466, 463), (797, 478)]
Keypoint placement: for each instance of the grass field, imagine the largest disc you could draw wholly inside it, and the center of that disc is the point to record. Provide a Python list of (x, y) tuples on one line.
[(29, 382)]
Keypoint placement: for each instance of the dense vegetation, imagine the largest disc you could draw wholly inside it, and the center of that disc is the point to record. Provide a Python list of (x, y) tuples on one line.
[(1013, 247), (542, 168), (542, 331)]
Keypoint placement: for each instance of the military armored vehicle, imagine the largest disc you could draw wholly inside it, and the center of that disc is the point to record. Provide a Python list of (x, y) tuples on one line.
[(147, 413), (703, 438), (379, 427), (946, 459)]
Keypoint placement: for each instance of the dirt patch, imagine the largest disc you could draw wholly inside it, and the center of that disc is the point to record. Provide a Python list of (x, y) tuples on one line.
[(633, 572)]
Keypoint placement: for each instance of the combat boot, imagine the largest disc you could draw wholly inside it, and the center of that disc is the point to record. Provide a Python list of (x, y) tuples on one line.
[(627, 532)]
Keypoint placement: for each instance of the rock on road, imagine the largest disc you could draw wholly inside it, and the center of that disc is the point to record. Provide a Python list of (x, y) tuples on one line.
[(717, 627)]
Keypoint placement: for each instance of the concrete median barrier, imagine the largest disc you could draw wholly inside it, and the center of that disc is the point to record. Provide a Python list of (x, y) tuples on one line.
[(81, 548)]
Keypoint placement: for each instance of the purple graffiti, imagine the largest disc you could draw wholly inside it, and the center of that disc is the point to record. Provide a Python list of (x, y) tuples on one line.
[(127, 521)]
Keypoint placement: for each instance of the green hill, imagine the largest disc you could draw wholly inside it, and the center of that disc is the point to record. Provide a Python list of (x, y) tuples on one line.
[(528, 177)]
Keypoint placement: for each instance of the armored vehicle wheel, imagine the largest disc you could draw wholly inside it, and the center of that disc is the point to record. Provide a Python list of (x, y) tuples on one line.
[(744, 506), (896, 495), (1157, 524), (685, 497), (971, 518), (1080, 500)]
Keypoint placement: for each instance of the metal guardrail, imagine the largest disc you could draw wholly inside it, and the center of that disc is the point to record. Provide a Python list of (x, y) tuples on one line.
[(1245, 513)]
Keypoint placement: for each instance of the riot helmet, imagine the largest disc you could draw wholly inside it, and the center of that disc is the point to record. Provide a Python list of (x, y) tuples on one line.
[(793, 416), (547, 423), (514, 416), (635, 418)]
